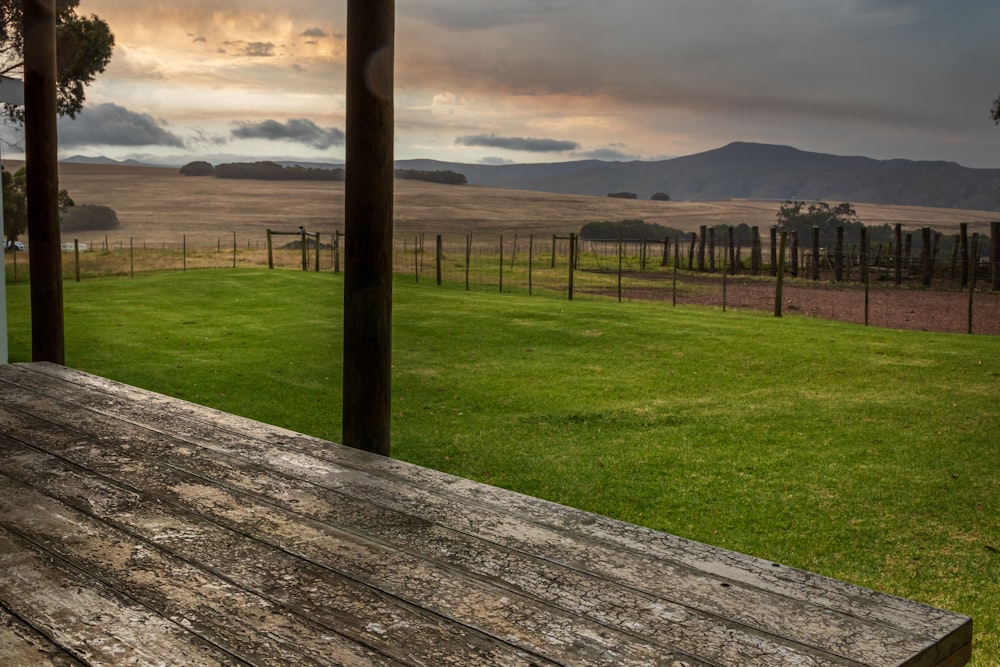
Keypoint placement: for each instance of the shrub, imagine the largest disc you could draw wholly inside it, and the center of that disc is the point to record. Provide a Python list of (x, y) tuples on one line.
[(89, 218), (198, 168), (660, 196), (623, 195)]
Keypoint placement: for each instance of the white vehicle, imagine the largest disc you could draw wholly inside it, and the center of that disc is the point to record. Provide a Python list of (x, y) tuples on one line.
[(13, 245)]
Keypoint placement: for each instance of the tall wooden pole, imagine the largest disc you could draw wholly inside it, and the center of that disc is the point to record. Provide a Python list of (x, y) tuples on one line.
[(41, 165), (368, 225)]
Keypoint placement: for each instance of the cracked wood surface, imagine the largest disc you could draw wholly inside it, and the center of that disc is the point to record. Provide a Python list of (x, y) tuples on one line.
[(140, 529)]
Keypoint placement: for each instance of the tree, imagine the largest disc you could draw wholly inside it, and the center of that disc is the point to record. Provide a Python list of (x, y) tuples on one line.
[(15, 216), (15, 210), (198, 168), (795, 216), (995, 111), (660, 196), (83, 49)]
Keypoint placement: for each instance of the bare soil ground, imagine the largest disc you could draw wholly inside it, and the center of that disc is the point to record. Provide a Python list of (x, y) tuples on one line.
[(920, 309)]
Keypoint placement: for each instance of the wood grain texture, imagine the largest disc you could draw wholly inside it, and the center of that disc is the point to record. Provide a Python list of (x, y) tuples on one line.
[(203, 534)]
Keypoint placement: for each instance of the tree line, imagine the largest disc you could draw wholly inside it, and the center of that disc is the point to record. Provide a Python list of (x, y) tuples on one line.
[(267, 170)]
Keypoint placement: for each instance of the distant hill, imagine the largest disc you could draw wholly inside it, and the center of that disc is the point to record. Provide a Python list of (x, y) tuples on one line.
[(751, 171), (739, 170)]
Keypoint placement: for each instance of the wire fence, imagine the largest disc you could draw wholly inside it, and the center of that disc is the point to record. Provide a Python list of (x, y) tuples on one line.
[(689, 269)]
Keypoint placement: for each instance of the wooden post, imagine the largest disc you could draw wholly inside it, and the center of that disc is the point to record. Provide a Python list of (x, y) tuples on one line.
[(779, 286), (468, 258), (926, 258), (501, 262), (131, 258), (711, 249), (41, 165), (437, 259), (995, 254), (973, 261), (677, 261), (865, 277), (270, 251), (694, 240), (963, 252), (234, 250), (899, 254), (184, 251), (702, 234), (794, 238), (815, 253), (368, 225), (76, 255), (531, 258), (316, 258), (553, 251), (572, 262), (302, 245)]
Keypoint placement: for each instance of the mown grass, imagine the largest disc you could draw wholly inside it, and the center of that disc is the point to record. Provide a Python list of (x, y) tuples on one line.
[(864, 454)]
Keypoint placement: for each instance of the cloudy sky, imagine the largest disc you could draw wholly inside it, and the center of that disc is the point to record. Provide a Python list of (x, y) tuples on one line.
[(500, 81)]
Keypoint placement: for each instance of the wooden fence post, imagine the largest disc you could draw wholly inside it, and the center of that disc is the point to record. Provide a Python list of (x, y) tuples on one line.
[(531, 259), (437, 259), (865, 278), (779, 285), (702, 233), (694, 240), (926, 258), (553, 251), (677, 261), (501, 262), (973, 261), (76, 256), (794, 238), (899, 254), (963, 251), (184, 251), (572, 262), (711, 249), (131, 258), (234, 250), (619, 270), (270, 251), (468, 258)]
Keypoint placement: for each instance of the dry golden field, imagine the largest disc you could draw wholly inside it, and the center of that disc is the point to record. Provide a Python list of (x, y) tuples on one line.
[(159, 205)]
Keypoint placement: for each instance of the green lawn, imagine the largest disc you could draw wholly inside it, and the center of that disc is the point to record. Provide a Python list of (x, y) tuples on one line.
[(868, 455)]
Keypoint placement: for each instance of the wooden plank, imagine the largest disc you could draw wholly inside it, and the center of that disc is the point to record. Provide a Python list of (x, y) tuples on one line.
[(399, 630), (20, 644), (619, 577), (170, 495), (221, 612), (88, 619), (664, 561)]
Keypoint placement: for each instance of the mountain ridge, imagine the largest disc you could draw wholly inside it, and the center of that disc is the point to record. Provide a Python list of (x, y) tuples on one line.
[(743, 170)]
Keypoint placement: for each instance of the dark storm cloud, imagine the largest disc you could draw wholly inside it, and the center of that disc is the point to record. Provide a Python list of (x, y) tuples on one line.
[(518, 143), (114, 125), (298, 130), (313, 32), (483, 15)]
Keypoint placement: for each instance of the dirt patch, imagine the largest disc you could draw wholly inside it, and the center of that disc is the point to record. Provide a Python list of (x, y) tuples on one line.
[(919, 309)]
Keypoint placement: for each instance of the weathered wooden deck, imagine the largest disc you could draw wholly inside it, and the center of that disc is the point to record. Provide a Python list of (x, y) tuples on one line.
[(140, 529)]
